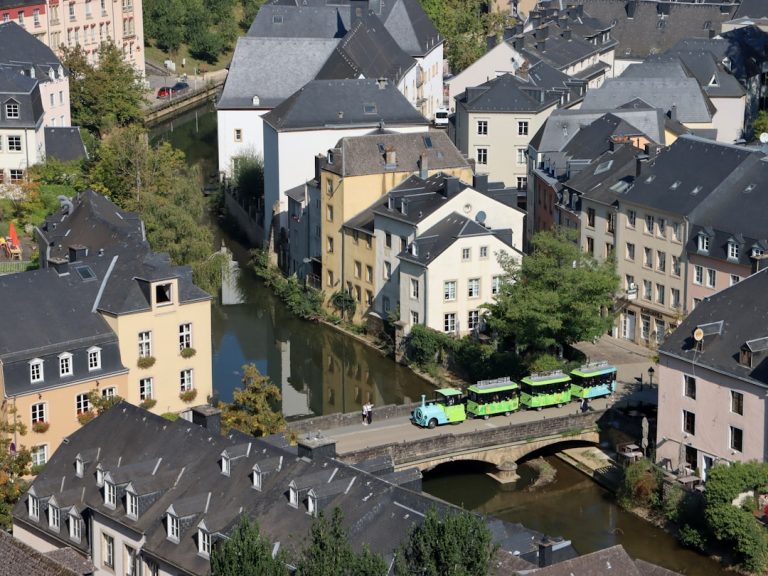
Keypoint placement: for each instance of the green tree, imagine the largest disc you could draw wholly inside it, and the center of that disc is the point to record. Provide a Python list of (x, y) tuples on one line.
[(13, 467), (101, 403), (161, 22), (459, 544), (246, 553), (557, 295), (248, 171), (110, 94), (761, 124), (250, 8), (252, 409), (330, 554)]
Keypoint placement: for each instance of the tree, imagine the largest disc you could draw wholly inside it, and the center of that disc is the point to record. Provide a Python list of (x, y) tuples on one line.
[(161, 23), (251, 410), (247, 553), (761, 124), (110, 94), (330, 554), (459, 544), (14, 465), (557, 295)]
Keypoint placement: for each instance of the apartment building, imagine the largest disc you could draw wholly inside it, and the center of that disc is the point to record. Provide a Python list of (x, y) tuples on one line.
[(712, 382), (22, 135)]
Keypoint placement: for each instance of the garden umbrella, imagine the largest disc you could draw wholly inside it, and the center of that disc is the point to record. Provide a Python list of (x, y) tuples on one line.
[(12, 235)]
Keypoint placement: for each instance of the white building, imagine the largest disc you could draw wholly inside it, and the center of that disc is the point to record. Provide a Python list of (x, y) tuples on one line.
[(22, 138)]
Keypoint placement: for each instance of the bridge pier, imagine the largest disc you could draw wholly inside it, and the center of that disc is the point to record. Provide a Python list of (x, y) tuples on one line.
[(506, 472)]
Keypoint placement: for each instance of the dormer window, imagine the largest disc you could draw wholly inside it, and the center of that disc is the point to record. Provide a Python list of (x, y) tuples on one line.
[(36, 370), (756, 252), (733, 251), (203, 542), (163, 294), (110, 494), (131, 505), (257, 480), (65, 364), (745, 357), (172, 527), (99, 477), (12, 110), (54, 518), (34, 507), (293, 497), (225, 465), (94, 358), (75, 528), (703, 243), (312, 504), (79, 467)]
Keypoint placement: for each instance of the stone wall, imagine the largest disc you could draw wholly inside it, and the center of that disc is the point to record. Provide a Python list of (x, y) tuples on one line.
[(350, 419), (246, 216)]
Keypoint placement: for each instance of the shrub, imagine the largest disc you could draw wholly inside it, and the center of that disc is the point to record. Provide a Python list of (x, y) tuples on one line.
[(171, 416), (41, 427), (641, 486), (303, 301), (188, 352), (145, 362), (690, 537), (85, 417), (36, 469), (148, 404), (188, 395)]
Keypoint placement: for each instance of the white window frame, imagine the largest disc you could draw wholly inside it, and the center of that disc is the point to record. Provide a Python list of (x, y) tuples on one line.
[(483, 252), (226, 465), (522, 127), (42, 412), (185, 335), (36, 372), (466, 254), (520, 156), (449, 322), (495, 285), (109, 550), (703, 243), (482, 127), (481, 155), (733, 251), (81, 407), (735, 279), (698, 275), (711, 278), (145, 343), (12, 110), (94, 358), (256, 480), (109, 392), (449, 290), (33, 503), (186, 379), (473, 288), (414, 317), (473, 319), (75, 528), (131, 505), (14, 144), (203, 542), (143, 387), (414, 288), (110, 494), (172, 527), (39, 455), (54, 518)]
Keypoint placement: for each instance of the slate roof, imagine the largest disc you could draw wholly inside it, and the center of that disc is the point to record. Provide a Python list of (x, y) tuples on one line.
[(21, 50), (272, 69), (560, 48), (359, 155), (700, 64), (4, 4), (648, 569), (751, 9), (507, 93), (24, 91), (325, 104), (596, 180), (693, 106), (743, 311), (20, 559), (613, 561), (64, 143), (376, 512), (647, 32)]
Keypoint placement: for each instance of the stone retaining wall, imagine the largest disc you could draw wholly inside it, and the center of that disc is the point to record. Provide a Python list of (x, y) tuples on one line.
[(350, 419)]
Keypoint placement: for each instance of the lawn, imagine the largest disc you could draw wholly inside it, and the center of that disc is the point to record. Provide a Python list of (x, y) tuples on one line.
[(159, 57)]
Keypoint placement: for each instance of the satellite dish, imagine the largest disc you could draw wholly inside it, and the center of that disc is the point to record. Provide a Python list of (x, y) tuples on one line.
[(480, 217), (698, 334), (764, 138)]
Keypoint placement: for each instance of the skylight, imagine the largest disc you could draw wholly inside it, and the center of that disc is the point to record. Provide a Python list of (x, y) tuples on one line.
[(603, 167), (427, 141), (675, 185), (369, 108), (85, 273)]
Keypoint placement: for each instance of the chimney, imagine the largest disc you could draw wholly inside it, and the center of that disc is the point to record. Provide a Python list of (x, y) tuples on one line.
[(61, 265), (77, 252), (545, 552), (566, 34), (318, 165), (423, 166), (480, 182), (390, 157), (612, 145), (541, 33), (452, 186), (673, 113), (509, 32), (490, 43), (519, 27), (315, 445), (374, 6), (651, 149), (640, 159), (522, 72), (541, 45), (208, 417), (535, 19), (518, 43)]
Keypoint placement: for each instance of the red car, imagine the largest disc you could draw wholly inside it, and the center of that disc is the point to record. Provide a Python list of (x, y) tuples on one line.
[(177, 88)]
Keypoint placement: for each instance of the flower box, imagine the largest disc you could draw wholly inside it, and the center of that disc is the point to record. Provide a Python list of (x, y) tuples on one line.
[(146, 362), (41, 426), (148, 404), (85, 417), (188, 395), (188, 352)]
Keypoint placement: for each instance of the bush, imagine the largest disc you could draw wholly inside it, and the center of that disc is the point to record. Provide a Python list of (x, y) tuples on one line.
[(690, 537), (672, 500), (303, 301), (145, 362), (641, 486), (188, 352), (170, 416)]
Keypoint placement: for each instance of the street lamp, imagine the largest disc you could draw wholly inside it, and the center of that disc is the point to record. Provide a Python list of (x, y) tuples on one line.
[(651, 372)]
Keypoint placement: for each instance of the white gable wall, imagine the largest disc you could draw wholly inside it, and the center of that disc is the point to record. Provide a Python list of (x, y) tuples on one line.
[(252, 140)]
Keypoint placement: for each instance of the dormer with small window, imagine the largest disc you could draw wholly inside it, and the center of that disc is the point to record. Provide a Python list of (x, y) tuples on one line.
[(172, 527), (745, 356), (262, 469), (204, 540), (231, 454), (79, 466), (704, 241), (36, 371), (225, 464), (753, 351), (110, 494), (99, 475), (733, 250), (164, 293), (131, 503), (33, 505), (54, 516), (65, 365), (75, 525), (12, 109)]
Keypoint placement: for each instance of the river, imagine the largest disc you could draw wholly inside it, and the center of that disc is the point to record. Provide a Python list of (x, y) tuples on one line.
[(321, 371)]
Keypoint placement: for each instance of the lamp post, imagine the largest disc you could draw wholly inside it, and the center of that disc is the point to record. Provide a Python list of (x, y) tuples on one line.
[(651, 372)]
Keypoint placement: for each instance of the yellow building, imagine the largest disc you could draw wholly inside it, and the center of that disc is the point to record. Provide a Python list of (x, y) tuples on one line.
[(357, 172), (101, 301)]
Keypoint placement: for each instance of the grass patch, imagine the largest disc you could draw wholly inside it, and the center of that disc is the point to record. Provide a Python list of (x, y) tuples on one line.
[(160, 56)]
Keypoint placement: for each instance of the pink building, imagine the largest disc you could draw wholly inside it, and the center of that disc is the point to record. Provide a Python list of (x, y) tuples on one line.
[(713, 380)]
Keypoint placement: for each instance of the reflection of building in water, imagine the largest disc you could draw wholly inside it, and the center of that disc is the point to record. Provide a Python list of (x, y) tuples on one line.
[(295, 402), (347, 380), (231, 292)]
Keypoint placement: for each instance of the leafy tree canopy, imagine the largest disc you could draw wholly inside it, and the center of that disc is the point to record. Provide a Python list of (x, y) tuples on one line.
[(557, 295), (103, 96), (247, 553), (13, 467), (458, 544), (253, 409)]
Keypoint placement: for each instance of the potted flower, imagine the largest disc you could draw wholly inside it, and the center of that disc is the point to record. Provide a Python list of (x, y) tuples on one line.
[(85, 417), (148, 403), (146, 362), (188, 395), (41, 426), (188, 352)]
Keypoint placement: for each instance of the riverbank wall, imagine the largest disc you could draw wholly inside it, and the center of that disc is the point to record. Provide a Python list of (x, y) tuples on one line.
[(157, 113)]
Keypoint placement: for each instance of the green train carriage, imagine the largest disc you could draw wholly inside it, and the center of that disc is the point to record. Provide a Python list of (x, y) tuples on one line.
[(545, 389), (489, 397)]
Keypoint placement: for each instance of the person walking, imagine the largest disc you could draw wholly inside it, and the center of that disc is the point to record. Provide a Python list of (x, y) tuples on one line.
[(584, 404), (370, 412), (365, 414)]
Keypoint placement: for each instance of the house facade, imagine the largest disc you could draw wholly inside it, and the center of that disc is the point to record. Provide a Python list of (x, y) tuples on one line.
[(22, 138)]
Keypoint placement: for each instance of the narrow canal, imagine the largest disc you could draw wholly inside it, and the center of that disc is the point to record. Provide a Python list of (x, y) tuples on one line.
[(321, 371)]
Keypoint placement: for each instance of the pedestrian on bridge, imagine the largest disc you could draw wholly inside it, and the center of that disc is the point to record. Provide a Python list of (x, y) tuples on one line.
[(370, 412), (365, 414)]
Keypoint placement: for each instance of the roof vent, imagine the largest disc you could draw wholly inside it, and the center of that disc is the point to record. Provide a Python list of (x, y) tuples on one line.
[(255, 100)]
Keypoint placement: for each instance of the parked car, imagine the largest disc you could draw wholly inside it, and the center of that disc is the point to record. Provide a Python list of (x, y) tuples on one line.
[(174, 90)]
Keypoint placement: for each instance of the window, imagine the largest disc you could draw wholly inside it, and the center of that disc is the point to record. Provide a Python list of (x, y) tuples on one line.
[(185, 380), (630, 251), (225, 465), (631, 218), (163, 294), (368, 274), (733, 251), (238, 135), (145, 344), (591, 217), (522, 182), (368, 298), (675, 231), (12, 111), (522, 128), (661, 328), (630, 282), (482, 156), (329, 278), (414, 288), (696, 302), (711, 278), (388, 240), (65, 365), (52, 103), (737, 439), (35, 371), (329, 213), (466, 254), (386, 304), (358, 269), (662, 227), (403, 243), (39, 455), (703, 243), (108, 543), (17, 175), (645, 326), (496, 285), (14, 143), (34, 507), (54, 518), (735, 279), (110, 392), (648, 224), (661, 261), (203, 542), (87, 8), (473, 288), (482, 127), (94, 359), (172, 527), (647, 257), (82, 404), (449, 290), (414, 317), (698, 275), (387, 270), (590, 245), (689, 386), (737, 402), (71, 10), (75, 528), (449, 322), (689, 422), (146, 391), (521, 155), (611, 223), (675, 296), (110, 494), (676, 266), (38, 412), (473, 319), (483, 252), (185, 336), (132, 562)]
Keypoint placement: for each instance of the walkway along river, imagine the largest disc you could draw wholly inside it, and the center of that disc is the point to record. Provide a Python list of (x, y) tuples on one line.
[(321, 371)]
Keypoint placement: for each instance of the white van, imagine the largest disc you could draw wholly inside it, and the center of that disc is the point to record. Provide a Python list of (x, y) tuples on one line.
[(441, 118)]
